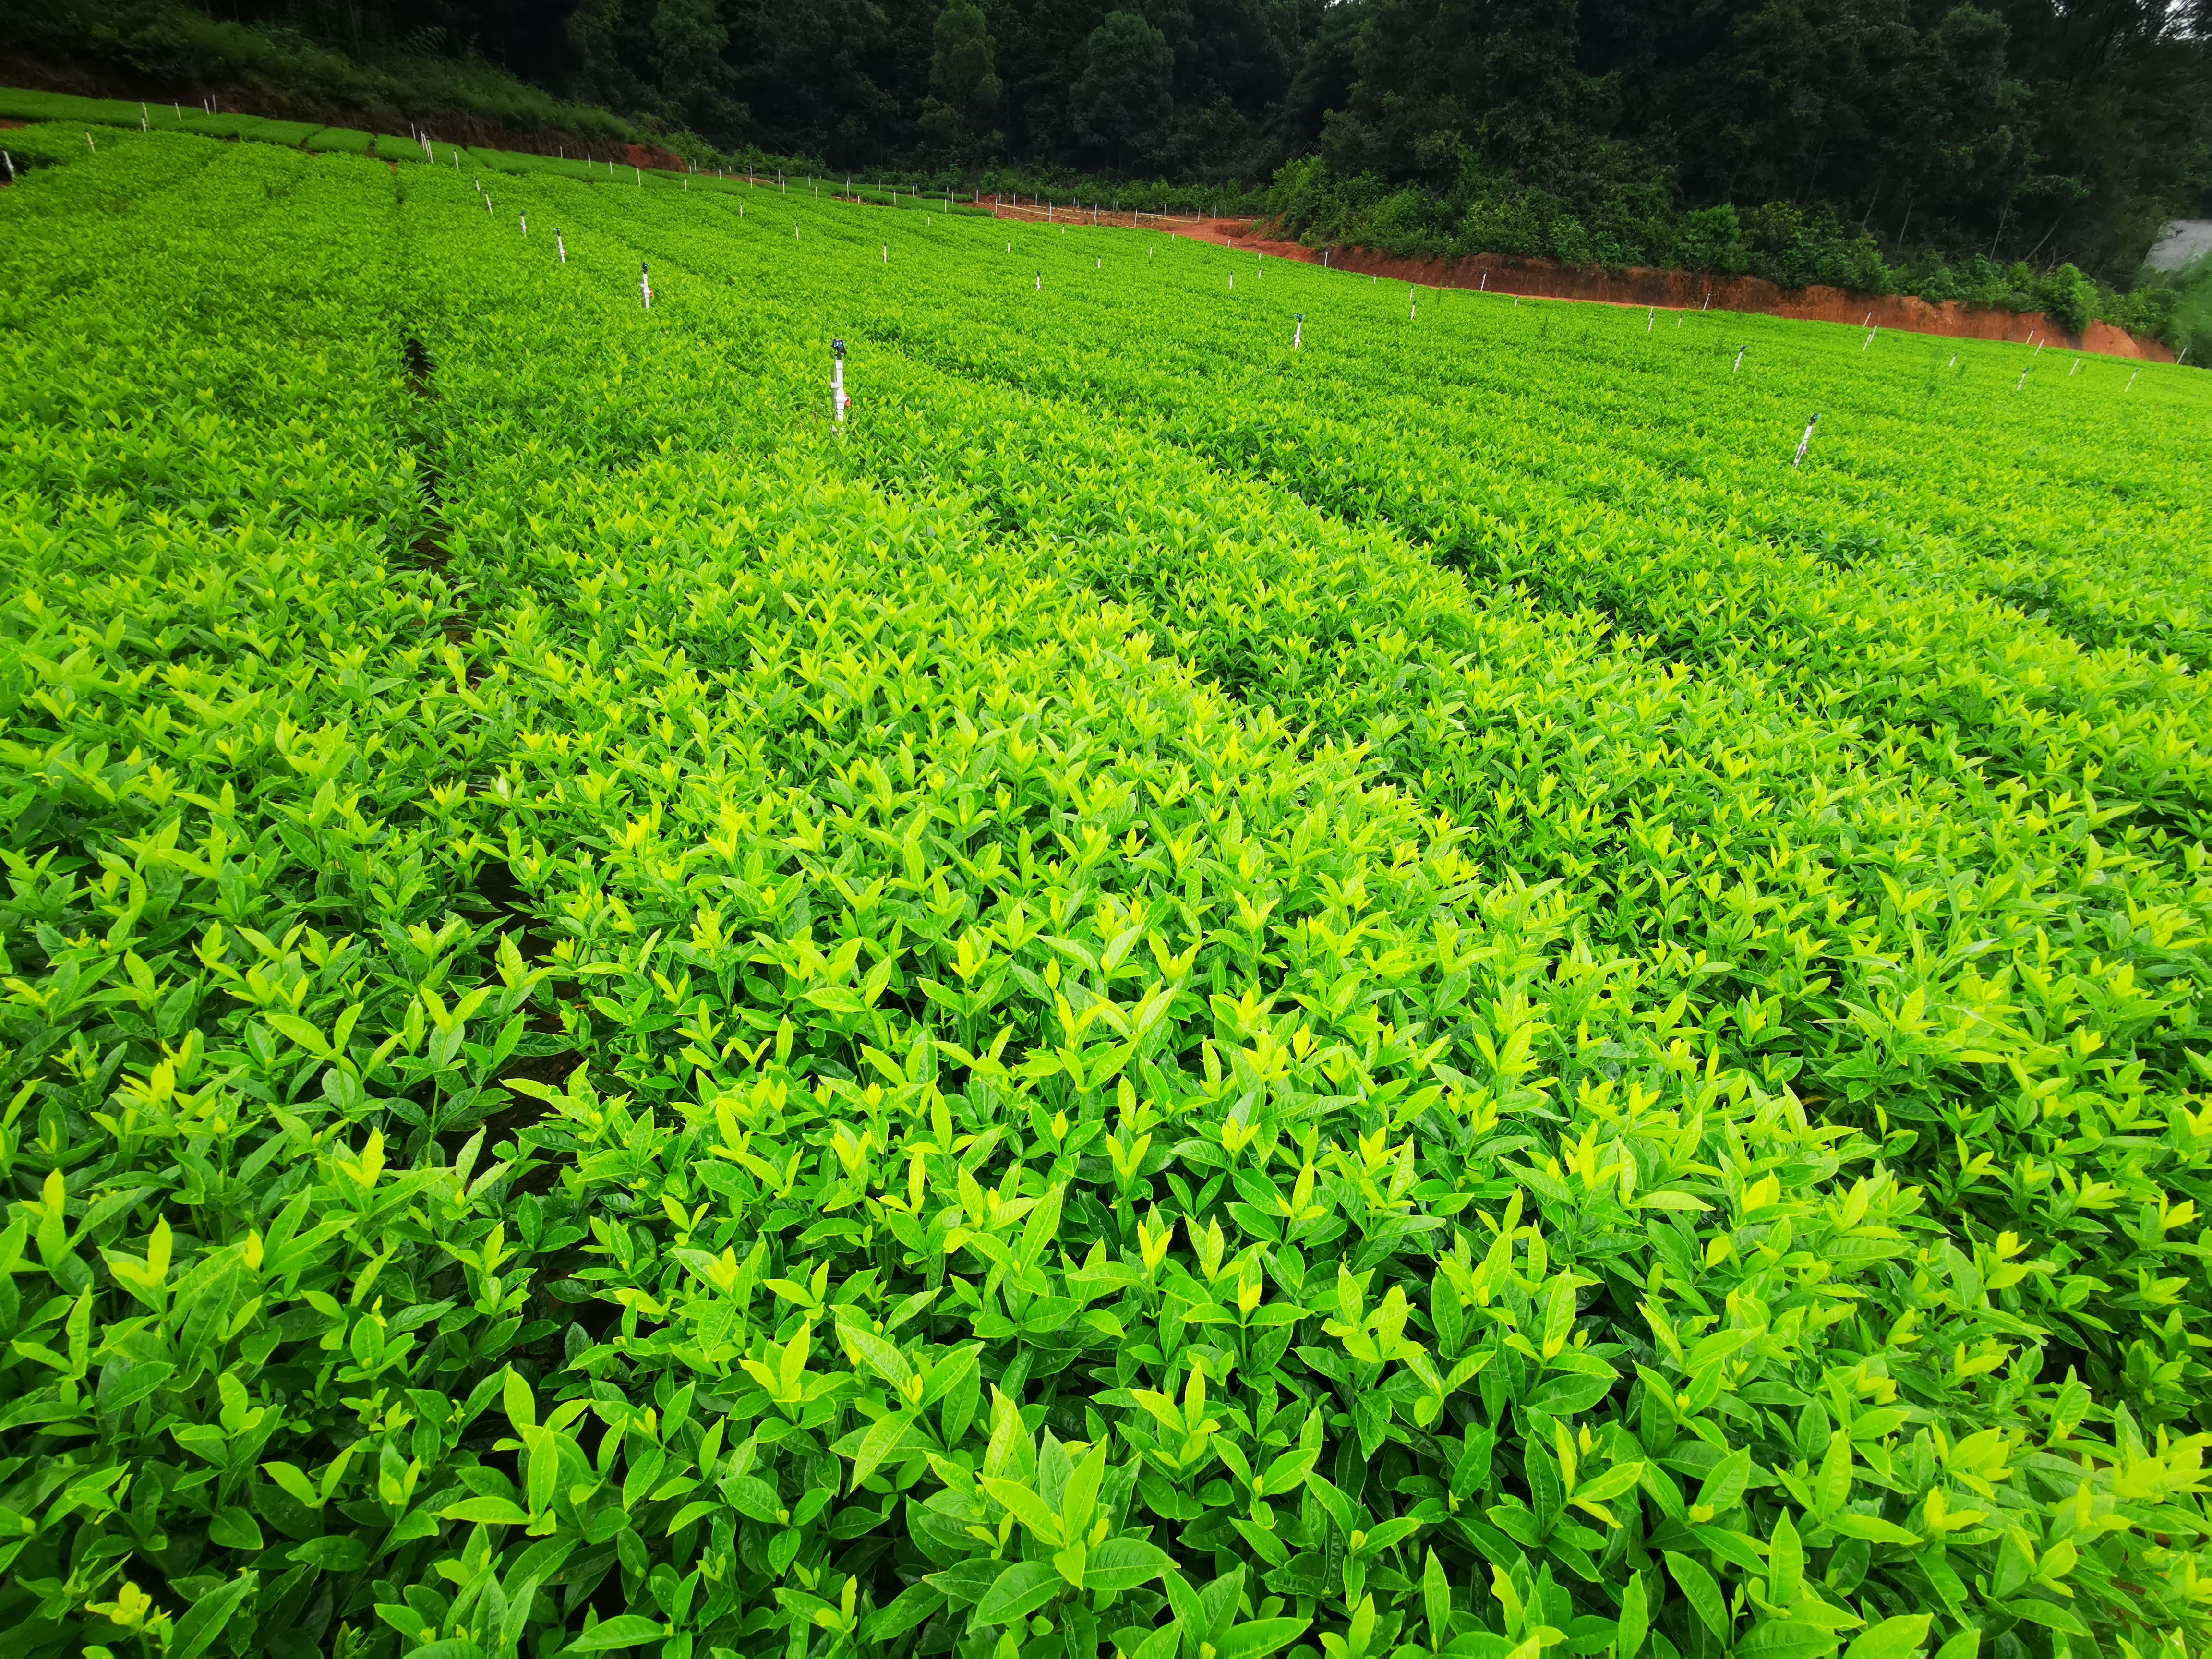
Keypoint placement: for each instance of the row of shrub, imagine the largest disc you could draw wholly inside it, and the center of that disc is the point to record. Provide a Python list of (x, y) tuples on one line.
[(273, 70), (1782, 242), (1060, 184), (1631, 225), (178, 46), (561, 139), (1148, 194), (1625, 223)]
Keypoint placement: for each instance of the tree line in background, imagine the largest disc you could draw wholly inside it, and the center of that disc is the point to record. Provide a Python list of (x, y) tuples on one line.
[(1962, 151)]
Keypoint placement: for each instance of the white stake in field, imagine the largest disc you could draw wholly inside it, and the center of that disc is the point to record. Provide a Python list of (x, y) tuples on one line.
[(1805, 442)]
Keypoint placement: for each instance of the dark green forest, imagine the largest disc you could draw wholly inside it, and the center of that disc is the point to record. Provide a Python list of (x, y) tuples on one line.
[(1872, 142)]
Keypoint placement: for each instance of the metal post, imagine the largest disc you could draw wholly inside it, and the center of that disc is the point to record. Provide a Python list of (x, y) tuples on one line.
[(1298, 334), (1805, 442), (837, 380)]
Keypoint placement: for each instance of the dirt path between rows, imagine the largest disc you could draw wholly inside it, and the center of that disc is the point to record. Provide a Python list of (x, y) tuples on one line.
[(1637, 286)]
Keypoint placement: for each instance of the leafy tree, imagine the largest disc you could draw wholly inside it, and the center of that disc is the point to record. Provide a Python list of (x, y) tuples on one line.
[(688, 37), (1125, 97), (963, 84), (1711, 240), (1494, 77), (606, 40), (2192, 312), (808, 78)]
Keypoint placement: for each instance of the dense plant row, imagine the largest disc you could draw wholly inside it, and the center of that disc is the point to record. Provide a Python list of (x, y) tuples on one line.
[(1031, 1028), (1060, 441), (1092, 521), (1941, 644), (1779, 241), (204, 633), (174, 44), (1639, 224), (1586, 426)]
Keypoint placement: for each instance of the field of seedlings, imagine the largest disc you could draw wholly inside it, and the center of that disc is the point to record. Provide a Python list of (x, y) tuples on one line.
[(1262, 964)]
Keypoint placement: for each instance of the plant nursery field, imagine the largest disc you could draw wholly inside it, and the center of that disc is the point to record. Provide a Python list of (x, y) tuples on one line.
[(1212, 986)]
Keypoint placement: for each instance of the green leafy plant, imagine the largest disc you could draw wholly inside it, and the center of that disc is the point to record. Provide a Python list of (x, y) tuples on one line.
[(1191, 1003)]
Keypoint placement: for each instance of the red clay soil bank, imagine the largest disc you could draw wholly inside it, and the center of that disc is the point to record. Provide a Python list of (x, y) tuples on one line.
[(1681, 290)]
